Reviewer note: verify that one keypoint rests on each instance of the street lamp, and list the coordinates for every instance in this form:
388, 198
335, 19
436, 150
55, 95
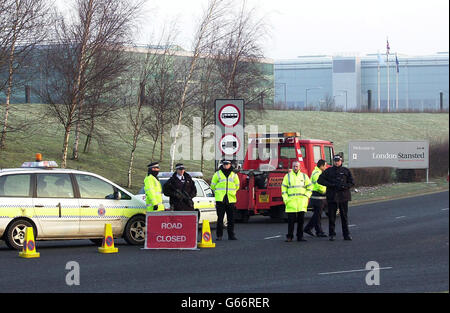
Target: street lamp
306, 100
345, 98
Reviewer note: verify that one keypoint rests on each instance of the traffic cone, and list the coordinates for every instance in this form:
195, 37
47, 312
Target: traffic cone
108, 241
206, 236
29, 245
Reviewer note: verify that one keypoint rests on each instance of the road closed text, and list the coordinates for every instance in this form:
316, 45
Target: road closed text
171, 230
171, 238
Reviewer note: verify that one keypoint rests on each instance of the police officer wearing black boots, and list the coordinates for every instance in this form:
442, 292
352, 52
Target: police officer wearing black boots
338, 180
318, 201
225, 184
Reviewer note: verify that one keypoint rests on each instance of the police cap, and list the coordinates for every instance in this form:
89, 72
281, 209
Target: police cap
154, 164
179, 166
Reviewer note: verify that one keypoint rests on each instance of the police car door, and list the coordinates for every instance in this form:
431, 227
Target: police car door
99, 206
15, 197
55, 205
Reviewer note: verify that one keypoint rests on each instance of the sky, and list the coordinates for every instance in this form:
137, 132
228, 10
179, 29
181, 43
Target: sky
325, 27
309, 27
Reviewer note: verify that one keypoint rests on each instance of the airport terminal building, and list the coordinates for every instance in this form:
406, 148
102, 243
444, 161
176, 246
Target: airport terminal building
340, 82
357, 83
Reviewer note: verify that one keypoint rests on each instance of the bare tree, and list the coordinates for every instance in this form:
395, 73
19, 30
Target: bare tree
24, 25
163, 94
150, 101
136, 119
240, 54
208, 89
213, 15
100, 26
102, 99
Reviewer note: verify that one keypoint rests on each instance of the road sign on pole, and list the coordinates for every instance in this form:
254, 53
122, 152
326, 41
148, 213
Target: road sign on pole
229, 137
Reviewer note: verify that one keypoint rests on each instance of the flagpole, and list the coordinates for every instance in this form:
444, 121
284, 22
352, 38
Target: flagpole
396, 83
379, 87
388, 79
407, 85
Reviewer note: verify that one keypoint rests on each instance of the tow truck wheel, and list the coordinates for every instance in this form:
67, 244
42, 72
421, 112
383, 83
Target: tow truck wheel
15, 234
134, 233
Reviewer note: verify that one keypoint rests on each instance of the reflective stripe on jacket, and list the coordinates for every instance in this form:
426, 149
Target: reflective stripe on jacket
153, 193
225, 186
296, 190
316, 186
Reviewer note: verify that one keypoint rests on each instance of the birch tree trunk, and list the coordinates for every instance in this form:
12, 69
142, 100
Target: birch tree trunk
213, 12
10, 80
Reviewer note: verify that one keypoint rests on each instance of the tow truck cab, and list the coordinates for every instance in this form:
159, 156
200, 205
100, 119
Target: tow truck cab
269, 158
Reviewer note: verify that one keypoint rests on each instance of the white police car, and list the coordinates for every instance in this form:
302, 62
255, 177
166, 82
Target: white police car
65, 204
204, 202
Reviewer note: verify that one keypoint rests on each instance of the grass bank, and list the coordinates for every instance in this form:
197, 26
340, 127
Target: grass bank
109, 156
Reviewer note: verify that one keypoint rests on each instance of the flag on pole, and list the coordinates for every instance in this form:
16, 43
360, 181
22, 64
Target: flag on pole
397, 64
388, 48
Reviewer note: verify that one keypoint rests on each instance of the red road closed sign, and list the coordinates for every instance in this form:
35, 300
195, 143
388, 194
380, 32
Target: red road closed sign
171, 230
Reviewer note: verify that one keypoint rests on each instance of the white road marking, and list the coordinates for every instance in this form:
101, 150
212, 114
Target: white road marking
399, 217
354, 271
445, 209
351, 225
272, 237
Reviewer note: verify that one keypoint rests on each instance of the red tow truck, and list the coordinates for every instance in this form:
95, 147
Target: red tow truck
269, 158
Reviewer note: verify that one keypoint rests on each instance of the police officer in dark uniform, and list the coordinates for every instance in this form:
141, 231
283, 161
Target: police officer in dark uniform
338, 180
181, 190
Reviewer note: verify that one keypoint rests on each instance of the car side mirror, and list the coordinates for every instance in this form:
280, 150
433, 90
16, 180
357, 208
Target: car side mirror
117, 195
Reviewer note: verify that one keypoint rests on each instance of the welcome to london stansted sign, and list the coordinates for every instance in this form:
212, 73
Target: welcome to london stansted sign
396, 154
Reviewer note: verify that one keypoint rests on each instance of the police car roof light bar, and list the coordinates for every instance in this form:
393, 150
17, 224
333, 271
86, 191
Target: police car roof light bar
41, 164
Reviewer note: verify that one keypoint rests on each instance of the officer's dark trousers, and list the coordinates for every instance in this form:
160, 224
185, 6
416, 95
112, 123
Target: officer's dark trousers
316, 220
292, 218
222, 208
343, 209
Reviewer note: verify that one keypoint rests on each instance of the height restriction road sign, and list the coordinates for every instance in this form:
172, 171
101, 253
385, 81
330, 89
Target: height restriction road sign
229, 137
229, 144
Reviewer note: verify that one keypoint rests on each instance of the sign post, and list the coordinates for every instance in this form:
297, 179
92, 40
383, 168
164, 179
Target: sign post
229, 137
171, 230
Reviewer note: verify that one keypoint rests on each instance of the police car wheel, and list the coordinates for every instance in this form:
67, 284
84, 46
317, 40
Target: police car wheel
15, 235
134, 233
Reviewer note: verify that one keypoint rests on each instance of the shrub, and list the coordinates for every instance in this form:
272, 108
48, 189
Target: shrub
439, 156
371, 176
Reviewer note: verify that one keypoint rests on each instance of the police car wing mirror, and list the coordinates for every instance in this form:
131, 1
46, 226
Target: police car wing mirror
117, 194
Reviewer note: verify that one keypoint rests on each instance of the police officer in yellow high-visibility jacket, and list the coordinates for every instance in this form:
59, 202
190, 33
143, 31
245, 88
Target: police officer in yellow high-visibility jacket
225, 184
318, 201
153, 190
296, 190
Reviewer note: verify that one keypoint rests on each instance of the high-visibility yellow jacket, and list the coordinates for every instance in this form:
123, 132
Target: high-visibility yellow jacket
153, 193
225, 186
296, 190
316, 186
